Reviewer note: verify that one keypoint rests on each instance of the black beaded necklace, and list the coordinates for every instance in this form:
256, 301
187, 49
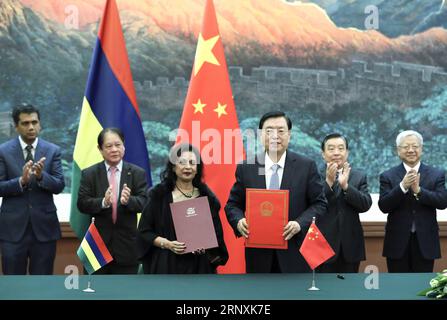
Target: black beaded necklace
187, 195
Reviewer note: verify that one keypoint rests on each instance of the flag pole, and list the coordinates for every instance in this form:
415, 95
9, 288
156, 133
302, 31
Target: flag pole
313, 287
89, 289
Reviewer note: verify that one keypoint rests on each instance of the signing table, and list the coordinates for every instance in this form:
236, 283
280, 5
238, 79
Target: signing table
217, 287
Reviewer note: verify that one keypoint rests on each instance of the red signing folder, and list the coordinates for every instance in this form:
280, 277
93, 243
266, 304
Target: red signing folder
193, 224
267, 213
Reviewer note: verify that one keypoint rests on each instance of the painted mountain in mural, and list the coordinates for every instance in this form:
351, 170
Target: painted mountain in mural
396, 17
37, 50
40, 58
260, 32
45, 63
40, 61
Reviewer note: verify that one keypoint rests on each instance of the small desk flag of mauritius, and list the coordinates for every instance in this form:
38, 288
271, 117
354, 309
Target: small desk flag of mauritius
209, 122
92, 252
109, 101
315, 249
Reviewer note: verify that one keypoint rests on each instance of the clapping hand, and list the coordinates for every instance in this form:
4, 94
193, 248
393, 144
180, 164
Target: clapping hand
37, 168
410, 179
415, 185
108, 197
125, 195
331, 173
343, 178
26, 173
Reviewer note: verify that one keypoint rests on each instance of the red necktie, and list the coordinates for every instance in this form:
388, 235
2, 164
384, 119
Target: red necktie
112, 182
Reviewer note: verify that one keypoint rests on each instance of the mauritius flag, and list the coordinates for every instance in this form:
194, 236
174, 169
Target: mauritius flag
93, 252
109, 101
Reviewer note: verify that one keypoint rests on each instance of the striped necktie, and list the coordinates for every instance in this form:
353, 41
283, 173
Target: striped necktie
29, 154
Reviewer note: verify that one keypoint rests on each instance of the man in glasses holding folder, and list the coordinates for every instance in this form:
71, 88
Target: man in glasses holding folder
277, 169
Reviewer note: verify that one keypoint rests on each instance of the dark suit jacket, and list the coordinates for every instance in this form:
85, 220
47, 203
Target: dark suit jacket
341, 225
33, 203
156, 220
306, 200
403, 208
120, 238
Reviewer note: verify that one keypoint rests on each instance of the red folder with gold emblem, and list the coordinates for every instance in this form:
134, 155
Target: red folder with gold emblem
267, 213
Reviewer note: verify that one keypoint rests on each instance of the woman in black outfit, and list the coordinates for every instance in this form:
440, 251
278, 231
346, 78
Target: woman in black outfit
158, 248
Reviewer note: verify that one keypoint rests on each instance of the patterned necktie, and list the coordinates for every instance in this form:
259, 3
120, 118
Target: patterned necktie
336, 185
29, 154
274, 180
112, 182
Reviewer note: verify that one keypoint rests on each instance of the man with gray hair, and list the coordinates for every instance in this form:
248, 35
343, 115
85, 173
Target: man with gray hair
410, 193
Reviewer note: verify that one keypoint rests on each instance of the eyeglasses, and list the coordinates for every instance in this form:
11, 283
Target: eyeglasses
408, 147
185, 162
280, 132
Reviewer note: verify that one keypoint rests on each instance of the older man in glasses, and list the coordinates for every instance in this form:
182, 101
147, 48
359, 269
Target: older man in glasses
410, 193
286, 170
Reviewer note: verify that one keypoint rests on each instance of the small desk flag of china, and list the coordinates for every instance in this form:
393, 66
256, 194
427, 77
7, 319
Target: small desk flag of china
315, 249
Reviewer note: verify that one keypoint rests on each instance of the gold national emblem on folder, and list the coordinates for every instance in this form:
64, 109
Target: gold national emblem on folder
266, 209
267, 213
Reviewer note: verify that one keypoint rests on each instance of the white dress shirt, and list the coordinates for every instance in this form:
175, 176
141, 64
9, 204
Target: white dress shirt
119, 169
268, 168
23, 145
408, 168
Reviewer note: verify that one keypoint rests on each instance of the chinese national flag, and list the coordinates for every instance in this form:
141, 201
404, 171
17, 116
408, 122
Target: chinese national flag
315, 249
209, 122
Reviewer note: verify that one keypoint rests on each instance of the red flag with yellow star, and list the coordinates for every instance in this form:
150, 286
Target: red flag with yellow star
315, 249
209, 122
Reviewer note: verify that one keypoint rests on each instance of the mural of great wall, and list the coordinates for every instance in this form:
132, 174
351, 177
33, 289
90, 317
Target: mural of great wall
399, 83
369, 102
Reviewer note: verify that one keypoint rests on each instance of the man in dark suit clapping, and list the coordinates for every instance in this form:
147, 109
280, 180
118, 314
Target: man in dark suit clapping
114, 191
346, 191
30, 173
410, 193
